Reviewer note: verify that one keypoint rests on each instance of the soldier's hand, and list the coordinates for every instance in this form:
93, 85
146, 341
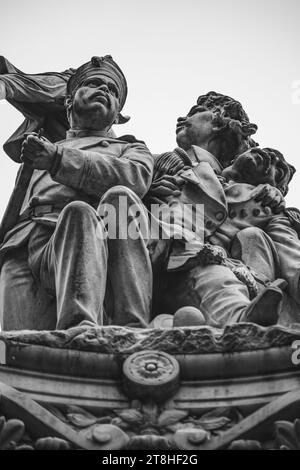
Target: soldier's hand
38, 152
163, 187
167, 186
271, 197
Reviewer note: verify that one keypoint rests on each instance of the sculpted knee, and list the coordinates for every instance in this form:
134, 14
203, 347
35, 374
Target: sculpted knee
113, 194
250, 233
78, 210
250, 236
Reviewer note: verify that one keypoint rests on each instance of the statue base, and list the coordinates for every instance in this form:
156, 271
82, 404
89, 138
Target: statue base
199, 384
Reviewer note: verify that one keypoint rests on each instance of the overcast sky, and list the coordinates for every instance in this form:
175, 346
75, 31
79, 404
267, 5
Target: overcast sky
171, 52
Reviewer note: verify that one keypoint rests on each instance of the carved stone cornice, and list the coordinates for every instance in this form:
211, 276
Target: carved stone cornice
125, 388
198, 340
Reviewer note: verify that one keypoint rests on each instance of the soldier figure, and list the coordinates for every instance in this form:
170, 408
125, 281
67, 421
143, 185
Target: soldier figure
59, 239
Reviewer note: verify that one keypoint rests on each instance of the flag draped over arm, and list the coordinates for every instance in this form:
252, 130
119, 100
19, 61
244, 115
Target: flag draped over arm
40, 98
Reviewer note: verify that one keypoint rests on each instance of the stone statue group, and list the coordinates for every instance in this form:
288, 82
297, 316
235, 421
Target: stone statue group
62, 266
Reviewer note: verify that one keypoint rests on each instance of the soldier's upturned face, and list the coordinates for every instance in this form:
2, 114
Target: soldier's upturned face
255, 167
96, 103
194, 129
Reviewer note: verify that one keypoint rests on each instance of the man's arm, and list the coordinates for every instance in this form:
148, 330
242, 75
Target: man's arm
90, 171
166, 178
95, 173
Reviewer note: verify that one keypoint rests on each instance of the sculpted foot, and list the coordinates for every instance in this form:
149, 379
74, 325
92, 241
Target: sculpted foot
263, 310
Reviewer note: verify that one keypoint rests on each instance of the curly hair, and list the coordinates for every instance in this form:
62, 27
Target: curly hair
288, 169
233, 128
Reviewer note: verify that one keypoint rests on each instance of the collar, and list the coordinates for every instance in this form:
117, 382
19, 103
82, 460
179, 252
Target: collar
198, 154
71, 133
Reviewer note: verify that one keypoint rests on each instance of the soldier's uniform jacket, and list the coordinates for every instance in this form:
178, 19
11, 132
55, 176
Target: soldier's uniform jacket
243, 212
90, 165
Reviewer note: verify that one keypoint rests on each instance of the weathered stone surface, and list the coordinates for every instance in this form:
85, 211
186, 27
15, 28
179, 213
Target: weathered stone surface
121, 340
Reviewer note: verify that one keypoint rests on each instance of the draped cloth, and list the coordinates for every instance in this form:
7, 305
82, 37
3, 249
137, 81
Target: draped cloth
40, 98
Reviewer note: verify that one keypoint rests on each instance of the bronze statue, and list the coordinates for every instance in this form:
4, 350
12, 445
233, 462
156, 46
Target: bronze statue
59, 239
114, 387
272, 233
214, 131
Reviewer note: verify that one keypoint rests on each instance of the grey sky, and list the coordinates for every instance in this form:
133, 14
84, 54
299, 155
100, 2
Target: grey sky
171, 51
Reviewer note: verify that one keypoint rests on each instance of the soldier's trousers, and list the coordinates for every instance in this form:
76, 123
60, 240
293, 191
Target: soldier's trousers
83, 268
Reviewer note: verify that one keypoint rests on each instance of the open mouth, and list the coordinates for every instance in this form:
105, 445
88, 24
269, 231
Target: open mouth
98, 96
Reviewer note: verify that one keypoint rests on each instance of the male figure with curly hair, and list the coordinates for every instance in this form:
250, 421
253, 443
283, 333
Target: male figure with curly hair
215, 130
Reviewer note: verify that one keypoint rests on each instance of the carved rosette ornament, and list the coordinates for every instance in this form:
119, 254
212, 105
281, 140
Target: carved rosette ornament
150, 374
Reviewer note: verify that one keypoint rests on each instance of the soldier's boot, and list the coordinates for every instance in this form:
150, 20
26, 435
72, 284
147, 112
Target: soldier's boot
263, 310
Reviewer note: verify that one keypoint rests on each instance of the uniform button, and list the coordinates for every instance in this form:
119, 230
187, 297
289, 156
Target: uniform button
209, 224
243, 213
219, 216
256, 212
232, 214
104, 143
267, 210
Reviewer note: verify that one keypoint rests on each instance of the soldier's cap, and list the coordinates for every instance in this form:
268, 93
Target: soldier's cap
105, 66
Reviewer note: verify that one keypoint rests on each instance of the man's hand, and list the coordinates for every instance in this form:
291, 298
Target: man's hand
38, 152
271, 197
163, 187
